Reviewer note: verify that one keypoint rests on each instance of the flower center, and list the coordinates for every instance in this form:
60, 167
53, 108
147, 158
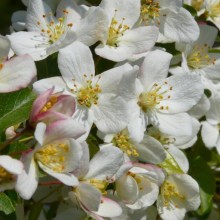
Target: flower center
101, 185
49, 104
89, 94
170, 192
197, 4
152, 98
53, 155
55, 29
5, 176
116, 30
123, 141
199, 57
214, 10
162, 138
150, 11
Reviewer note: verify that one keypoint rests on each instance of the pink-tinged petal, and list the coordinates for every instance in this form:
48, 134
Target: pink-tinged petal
17, 73
105, 163
39, 103
11, 165
123, 169
84, 194
66, 178
72, 64
108, 208
39, 133
151, 71
63, 129
127, 189
27, 181
4, 47
31, 43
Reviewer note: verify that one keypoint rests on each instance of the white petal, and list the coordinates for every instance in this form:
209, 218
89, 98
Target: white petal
152, 71
31, 43
71, 61
105, 163
11, 165
109, 208
213, 115
128, 9
210, 134
17, 73
127, 189
150, 150
18, 20
4, 47
187, 32
39, 133
175, 124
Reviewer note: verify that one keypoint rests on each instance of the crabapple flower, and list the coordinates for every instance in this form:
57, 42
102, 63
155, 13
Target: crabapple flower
94, 176
167, 15
56, 153
15, 73
210, 127
98, 99
197, 59
139, 187
9, 170
179, 194
49, 107
47, 34
121, 38
162, 101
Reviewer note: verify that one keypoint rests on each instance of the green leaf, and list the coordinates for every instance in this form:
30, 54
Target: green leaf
35, 211
202, 173
170, 165
6, 204
15, 107
190, 9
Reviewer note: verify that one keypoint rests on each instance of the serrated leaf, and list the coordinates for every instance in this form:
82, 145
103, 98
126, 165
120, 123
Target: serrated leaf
15, 107
5, 204
170, 165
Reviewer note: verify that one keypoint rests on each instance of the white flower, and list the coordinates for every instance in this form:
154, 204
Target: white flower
97, 97
197, 59
47, 34
56, 153
121, 38
94, 177
168, 15
210, 127
9, 170
162, 101
179, 194
15, 73
139, 187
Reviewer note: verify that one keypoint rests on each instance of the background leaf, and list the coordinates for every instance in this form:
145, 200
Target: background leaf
5, 204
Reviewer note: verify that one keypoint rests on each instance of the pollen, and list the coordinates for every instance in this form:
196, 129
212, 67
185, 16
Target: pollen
101, 185
116, 30
123, 141
5, 176
153, 97
55, 29
1, 66
89, 94
49, 104
150, 11
170, 193
53, 156
199, 57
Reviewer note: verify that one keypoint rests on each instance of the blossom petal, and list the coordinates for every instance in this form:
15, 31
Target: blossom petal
4, 47
11, 165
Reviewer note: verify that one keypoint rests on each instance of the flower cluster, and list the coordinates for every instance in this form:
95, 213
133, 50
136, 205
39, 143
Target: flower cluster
114, 132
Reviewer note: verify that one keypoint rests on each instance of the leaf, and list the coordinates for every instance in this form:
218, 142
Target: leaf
5, 204
15, 107
202, 173
170, 165
190, 9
